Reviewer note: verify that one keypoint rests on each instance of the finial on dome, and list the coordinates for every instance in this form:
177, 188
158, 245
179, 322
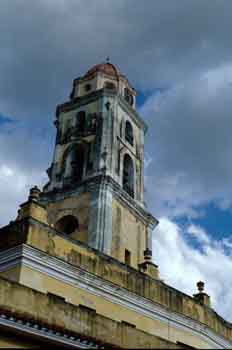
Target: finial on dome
107, 59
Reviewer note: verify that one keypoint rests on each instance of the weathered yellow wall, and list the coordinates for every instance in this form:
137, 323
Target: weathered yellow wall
12, 274
127, 233
33, 209
76, 206
116, 312
55, 313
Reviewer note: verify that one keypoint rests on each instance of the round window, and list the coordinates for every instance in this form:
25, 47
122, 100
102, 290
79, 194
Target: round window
87, 87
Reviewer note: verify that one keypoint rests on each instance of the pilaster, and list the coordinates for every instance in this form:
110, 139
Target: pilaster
100, 218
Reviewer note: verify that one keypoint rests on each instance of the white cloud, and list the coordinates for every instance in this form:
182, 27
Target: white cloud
23, 160
5, 172
190, 142
182, 266
14, 189
198, 233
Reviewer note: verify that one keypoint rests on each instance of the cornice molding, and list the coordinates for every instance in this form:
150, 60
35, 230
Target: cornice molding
89, 185
25, 255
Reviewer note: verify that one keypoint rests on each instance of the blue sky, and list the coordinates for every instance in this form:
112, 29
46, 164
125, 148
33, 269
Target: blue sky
182, 71
216, 221
5, 120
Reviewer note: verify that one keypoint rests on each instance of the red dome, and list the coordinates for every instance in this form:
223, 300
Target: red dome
107, 68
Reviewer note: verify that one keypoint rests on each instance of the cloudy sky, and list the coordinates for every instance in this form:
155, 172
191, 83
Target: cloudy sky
177, 54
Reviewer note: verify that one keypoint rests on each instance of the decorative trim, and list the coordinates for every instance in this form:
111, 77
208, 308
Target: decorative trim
67, 273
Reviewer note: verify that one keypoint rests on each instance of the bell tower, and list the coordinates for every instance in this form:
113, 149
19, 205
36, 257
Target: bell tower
95, 192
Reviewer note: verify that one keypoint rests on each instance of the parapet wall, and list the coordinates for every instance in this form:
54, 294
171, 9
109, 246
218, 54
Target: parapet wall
48, 311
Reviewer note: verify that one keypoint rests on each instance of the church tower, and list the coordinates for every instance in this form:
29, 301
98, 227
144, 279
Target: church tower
95, 192
76, 266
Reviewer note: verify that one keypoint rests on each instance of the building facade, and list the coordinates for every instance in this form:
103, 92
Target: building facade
76, 265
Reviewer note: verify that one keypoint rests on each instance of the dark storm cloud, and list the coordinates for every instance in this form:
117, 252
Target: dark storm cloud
45, 45
157, 44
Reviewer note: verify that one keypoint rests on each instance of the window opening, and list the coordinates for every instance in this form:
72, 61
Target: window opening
109, 85
67, 224
81, 121
128, 96
129, 133
127, 257
77, 163
128, 175
90, 157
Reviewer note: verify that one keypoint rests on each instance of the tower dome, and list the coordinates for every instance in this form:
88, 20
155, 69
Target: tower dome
104, 76
107, 68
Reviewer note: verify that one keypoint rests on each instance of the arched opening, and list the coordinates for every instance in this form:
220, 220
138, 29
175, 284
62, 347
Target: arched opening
74, 162
67, 224
109, 85
128, 96
81, 119
129, 133
120, 128
128, 175
90, 156
78, 162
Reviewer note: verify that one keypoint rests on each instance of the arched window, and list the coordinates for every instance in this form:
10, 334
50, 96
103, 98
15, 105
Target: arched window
81, 121
128, 96
109, 85
128, 175
74, 163
90, 156
67, 224
77, 163
120, 128
129, 133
